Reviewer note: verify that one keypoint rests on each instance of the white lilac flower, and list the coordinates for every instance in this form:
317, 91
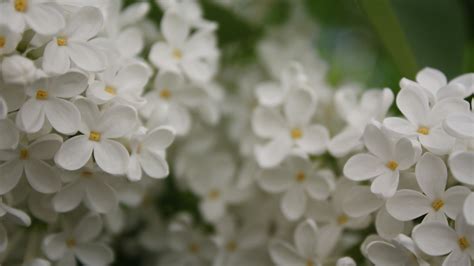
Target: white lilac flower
89, 185
292, 133
41, 16
299, 179
434, 83
148, 153
120, 84
72, 43
30, 160
422, 121
438, 239
190, 11
383, 163
435, 202
99, 128
80, 242
193, 54
399, 251
48, 100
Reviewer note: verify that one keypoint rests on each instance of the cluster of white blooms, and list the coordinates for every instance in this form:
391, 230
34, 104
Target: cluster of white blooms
278, 167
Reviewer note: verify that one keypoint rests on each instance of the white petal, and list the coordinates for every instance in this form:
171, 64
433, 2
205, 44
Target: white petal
54, 246
197, 69
363, 166
377, 143
400, 126
84, 24
274, 180
68, 198
44, 19
432, 79
42, 177
387, 226
111, 156
314, 140
454, 198
45, 147
10, 174
88, 228
90, 114
283, 254
56, 58
154, 164
462, 167
101, 196
212, 209
132, 77
328, 237
87, 57
317, 187
161, 55
460, 125
274, 152
457, 258
445, 107
159, 139
305, 238
269, 94
130, 42
94, 254
74, 153
360, 201
267, 122
32, 115
134, 170
299, 106
431, 174
408, 204
174, 29
386, 184
293, 203
468, 206
404, 154
413, 103
62, 115
117, 121
384, 253
435, 238
344, 142
68, 85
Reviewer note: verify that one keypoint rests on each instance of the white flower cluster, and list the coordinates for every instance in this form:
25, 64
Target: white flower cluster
285, 169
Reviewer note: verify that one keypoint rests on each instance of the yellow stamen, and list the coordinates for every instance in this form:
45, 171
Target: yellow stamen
342, 219
61, 41
41, 94
296, 133
437, 204
214, 194
110, 90
300, 176
392, 165
20, 5
165, 94
194, 248
3, 40
86, 173
23, 154
70, 243
177, 54
94, 136
423, 130
309, 262
231, 246
463, 243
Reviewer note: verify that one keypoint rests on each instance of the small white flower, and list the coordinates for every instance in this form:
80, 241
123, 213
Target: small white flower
47, 99
18, 70
44, 18
345, 261
384, 162
437, 239
31, 161
293, 132
65, 246
436, 203
73, 44
148, 152
98, 128
192, 54
399, 251
434, 83
299, 179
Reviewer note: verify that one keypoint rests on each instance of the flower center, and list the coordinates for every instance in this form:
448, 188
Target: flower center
463, 243
309, 262
3, 40
231, 246
165, 94
110, 90
94, 136
86, 174
61, 41
20, 5
71, 242
177, 54
300, 176
214, 194
296, 133
193, 248
342, 219
23, 154
392, 165
437, 204
41, 94
423, 130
